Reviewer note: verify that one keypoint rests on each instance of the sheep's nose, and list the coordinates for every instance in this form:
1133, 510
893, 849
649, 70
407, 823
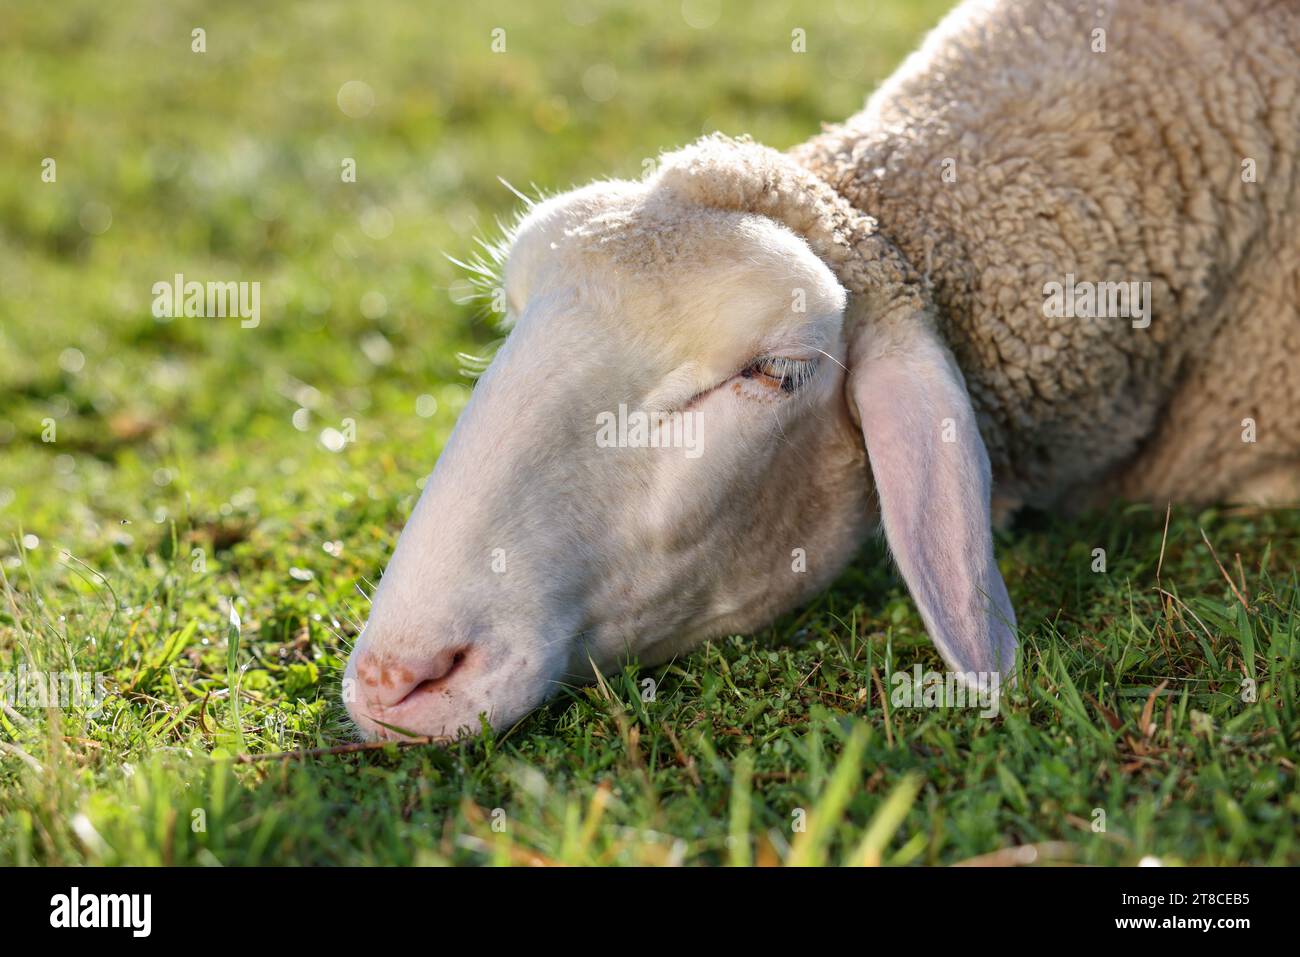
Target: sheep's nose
387, 681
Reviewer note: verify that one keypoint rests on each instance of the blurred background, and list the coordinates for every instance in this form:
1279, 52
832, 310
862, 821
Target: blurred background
226, 165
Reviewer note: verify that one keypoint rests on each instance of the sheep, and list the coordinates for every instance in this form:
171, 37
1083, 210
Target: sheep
908, 323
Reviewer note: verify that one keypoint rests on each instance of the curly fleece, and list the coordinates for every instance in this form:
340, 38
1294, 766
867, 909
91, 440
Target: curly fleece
1021, 146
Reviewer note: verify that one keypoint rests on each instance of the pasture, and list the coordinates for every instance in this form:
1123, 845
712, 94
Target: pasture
157, 471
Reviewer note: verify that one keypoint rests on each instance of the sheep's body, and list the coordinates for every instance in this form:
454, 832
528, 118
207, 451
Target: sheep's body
1105, 166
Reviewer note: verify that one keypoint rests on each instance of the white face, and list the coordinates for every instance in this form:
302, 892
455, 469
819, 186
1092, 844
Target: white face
552, 535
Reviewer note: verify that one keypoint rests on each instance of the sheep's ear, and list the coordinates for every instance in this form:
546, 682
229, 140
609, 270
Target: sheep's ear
932, 477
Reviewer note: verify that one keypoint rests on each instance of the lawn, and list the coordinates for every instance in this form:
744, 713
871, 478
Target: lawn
156, 473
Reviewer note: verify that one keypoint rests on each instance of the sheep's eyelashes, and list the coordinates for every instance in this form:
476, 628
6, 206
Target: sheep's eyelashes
780, 372
772, 376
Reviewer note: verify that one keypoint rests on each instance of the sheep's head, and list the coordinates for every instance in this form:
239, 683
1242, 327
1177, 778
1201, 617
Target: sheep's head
666, 448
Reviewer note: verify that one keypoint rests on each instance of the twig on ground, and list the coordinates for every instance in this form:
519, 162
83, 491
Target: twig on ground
884, 706
1164, 536
14, 716
1228, 578
18, 752
1024, 855
353, 748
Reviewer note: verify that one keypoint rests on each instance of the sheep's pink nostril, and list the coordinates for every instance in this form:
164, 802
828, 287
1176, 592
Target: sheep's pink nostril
388, 681
446, 665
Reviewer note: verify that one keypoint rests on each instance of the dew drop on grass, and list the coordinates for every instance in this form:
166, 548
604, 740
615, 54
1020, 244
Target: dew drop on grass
356, 99
332, 439
72, 360
96, 217
377, 349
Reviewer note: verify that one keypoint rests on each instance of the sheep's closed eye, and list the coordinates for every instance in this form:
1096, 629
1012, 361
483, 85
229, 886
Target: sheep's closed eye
767, 377
779, 372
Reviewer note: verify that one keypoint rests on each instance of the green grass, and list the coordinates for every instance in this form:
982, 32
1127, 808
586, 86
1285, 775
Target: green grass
177, 483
